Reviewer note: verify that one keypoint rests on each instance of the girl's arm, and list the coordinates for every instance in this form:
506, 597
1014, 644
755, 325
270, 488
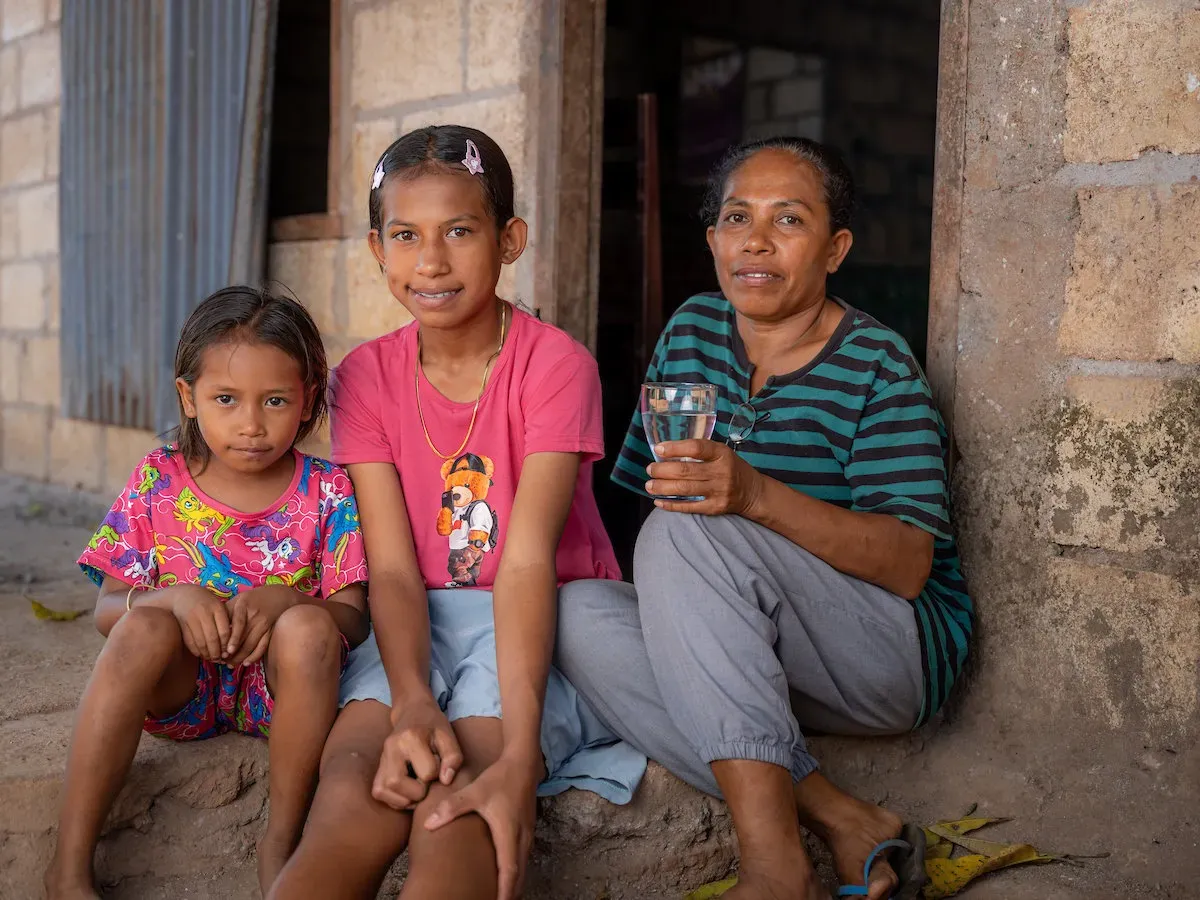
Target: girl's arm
400, 615
110, 604
347, 607
525, 600
254, 612
397, 600
202, 616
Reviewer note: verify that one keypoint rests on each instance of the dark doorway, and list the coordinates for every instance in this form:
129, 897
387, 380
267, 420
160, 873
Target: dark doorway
861, 76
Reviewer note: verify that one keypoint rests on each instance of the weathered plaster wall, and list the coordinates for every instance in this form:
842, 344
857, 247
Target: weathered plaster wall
1077, 411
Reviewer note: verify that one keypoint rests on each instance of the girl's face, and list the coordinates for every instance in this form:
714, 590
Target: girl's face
772, 244
249, 401
438, 247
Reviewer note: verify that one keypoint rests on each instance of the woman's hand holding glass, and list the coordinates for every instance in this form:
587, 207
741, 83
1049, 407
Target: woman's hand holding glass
724, 482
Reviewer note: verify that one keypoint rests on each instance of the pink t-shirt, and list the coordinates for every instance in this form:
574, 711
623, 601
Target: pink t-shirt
543, 396
164, 530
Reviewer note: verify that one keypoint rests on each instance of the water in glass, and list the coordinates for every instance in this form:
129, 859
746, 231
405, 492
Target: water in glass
678, 412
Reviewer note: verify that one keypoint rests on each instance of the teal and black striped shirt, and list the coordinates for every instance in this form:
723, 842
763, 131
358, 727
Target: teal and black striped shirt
856, 427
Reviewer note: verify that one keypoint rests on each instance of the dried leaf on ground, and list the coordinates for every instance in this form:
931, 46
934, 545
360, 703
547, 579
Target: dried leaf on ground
47, 614
949, 874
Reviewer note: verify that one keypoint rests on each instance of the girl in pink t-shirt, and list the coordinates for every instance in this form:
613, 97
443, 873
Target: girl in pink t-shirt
231, 571
470, 436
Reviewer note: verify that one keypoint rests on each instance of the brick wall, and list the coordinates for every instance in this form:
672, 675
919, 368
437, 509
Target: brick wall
34, 440
29, 94
1078, 374
785, 94
466, 62
882, 77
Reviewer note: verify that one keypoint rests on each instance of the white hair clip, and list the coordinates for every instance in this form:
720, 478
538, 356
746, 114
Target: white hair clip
472, 160
378, 177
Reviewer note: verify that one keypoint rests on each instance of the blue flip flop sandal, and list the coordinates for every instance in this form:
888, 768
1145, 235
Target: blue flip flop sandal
907, 856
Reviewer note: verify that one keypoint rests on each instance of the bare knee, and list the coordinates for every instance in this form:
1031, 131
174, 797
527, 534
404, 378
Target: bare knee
305, 641
144, 635
346, 780
347, 770
344, 803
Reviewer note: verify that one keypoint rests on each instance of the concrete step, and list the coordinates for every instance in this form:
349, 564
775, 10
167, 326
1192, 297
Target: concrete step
186, 823
191, 810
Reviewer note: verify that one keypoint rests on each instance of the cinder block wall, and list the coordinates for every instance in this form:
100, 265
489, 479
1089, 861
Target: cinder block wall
1077, 407
467, 61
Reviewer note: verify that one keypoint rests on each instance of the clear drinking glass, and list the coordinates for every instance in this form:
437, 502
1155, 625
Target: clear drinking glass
678, 411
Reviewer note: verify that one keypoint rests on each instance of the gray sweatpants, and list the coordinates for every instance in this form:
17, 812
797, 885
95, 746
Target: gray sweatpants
693, 662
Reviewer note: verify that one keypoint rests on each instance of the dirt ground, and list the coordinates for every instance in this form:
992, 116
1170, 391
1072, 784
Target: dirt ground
186, 824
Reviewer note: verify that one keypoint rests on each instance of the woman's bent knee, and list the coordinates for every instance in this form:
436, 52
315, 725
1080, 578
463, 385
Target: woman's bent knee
667, 541
667, 546
589, 612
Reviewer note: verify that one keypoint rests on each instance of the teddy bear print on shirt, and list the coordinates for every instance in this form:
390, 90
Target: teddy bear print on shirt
466, 518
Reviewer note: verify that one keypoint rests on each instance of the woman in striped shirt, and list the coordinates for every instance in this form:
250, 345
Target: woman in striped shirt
820, 558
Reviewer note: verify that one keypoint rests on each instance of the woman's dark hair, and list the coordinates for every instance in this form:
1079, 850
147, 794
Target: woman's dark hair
241, 314
442, 148
835, 176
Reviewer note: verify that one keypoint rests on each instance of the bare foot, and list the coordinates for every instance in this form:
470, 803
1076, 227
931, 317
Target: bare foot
63, 887
852, 843
273, 854
851, 829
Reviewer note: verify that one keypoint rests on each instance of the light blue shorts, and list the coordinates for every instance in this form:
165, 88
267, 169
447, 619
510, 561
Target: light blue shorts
579, 751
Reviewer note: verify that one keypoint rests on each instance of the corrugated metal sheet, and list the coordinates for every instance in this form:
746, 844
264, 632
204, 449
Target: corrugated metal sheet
164, 148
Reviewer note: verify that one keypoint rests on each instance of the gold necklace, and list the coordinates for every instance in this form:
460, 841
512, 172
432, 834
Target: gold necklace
482, 386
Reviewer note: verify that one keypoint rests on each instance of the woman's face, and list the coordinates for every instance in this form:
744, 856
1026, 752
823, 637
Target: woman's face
772, 244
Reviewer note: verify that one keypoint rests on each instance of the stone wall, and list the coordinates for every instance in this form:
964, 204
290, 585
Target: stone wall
465, 62
1077, 404
34, 440
472, 62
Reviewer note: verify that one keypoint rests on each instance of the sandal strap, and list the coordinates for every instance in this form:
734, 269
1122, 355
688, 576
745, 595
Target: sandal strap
862, 890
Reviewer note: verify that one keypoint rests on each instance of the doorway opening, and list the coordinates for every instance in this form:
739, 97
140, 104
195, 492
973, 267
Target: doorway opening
301, 109
862, 77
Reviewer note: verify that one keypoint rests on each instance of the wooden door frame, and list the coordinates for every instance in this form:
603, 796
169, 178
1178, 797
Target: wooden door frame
567, 146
